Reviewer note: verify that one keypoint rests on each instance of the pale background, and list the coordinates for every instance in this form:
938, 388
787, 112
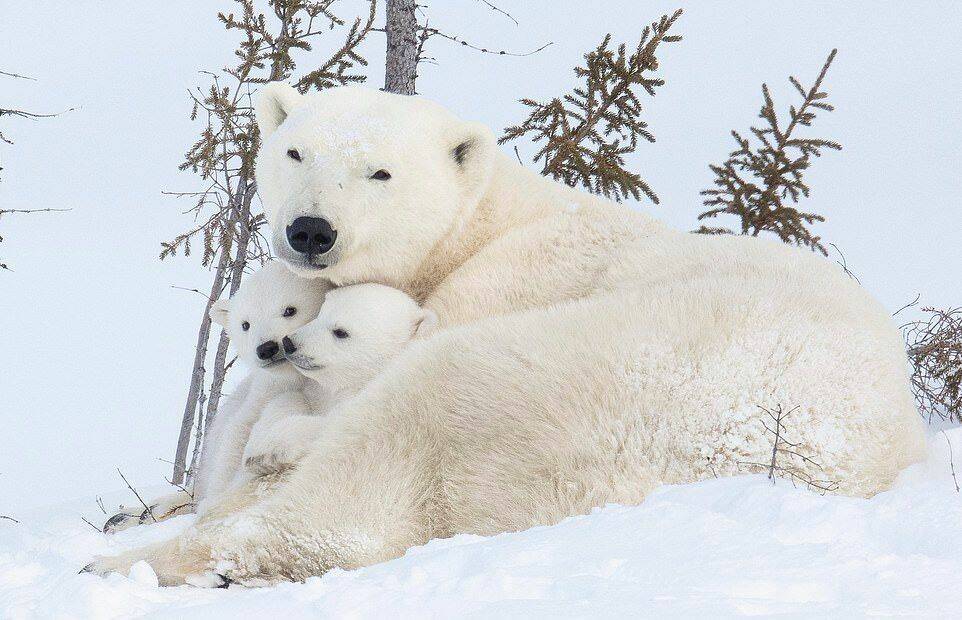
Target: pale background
97, 346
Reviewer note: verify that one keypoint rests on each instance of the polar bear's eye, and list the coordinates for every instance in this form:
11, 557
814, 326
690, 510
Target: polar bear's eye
340, 333
381, 175
293, 154
290, 311
245, 326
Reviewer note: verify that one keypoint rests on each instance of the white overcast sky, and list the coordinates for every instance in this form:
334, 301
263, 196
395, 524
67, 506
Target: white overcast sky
97, 346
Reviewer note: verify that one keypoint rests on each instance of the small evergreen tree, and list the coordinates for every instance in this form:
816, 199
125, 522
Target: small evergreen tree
761, 184
229, 225
585, 135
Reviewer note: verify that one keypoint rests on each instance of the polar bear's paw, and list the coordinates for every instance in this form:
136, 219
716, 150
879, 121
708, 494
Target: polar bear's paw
165, 507
275, 448
123, 520
174, 564
104, 565
271, 462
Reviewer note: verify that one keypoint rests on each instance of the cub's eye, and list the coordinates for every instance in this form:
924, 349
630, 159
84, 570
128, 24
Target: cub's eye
245, 326
290, 311
293, 154
340, 333
381, 175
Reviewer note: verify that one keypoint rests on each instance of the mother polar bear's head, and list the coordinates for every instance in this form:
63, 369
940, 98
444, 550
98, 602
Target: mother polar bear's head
359, 184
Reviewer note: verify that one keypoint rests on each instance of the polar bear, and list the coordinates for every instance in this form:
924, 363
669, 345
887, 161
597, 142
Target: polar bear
271, 303
585, 352
359, 329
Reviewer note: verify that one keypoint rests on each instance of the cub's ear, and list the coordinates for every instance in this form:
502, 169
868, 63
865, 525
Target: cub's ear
273, 104
472, 148
426, 324
220, 311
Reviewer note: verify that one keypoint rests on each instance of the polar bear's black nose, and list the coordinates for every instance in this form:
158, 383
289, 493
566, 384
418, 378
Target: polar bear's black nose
311, 235
267, 350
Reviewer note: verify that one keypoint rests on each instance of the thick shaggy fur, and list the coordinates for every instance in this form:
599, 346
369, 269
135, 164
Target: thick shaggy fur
587, 353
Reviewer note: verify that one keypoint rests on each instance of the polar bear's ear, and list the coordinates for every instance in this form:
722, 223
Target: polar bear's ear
426, 324
275, 101
472, 148
220, 311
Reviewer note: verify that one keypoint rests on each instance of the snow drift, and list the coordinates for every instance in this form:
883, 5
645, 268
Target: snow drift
722, 547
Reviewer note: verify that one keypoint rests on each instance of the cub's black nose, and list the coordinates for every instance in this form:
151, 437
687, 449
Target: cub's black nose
267, 350
311, 235
288, 345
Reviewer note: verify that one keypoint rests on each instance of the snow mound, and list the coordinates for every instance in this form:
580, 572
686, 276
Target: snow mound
726, 547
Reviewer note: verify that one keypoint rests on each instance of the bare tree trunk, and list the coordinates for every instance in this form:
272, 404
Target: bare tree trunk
199, 371
198, 438
246, 195
400, 68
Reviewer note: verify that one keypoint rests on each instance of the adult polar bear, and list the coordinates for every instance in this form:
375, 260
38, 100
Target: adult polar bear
589, 353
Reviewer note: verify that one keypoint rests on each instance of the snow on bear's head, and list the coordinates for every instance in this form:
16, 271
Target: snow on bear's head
271, 303
358, 329
359, 184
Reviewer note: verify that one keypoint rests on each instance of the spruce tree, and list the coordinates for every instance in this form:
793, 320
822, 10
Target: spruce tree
762, 183
585, 135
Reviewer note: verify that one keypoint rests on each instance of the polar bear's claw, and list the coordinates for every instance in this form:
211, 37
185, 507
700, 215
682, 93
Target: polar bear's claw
122, 521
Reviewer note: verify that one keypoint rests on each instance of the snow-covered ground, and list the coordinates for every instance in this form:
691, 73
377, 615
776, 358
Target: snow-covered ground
726, 547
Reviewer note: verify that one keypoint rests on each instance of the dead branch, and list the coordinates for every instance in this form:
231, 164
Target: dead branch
785, 450
499, 10
134, 491
190, 290
844, 264
18, 76
6, 518
432, 32
85, 520
911, 304
951, 461
934, 346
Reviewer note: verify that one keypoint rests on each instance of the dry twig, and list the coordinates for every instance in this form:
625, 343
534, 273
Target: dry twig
134, 491
951, 461
934, 346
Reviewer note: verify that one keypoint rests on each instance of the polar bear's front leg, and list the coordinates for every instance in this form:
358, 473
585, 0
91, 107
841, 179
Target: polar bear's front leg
280, 444
176, 562
365, 495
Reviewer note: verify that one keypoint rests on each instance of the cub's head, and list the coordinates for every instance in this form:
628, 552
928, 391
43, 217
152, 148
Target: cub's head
359, 184
358, 329
270, 303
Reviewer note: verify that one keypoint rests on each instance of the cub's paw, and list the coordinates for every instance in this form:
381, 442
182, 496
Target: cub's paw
275, 461
122, 521
270, 452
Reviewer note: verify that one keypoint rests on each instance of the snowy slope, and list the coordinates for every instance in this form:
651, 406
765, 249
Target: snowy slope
722, 547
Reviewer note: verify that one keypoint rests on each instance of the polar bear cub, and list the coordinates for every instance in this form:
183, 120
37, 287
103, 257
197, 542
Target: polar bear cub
271, 303
359, 329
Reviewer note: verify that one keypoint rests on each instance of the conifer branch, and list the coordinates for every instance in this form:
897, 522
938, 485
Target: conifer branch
585, 135
761, 184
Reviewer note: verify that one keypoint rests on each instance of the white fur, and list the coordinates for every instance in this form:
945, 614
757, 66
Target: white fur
260, 303
587, 353
376, 323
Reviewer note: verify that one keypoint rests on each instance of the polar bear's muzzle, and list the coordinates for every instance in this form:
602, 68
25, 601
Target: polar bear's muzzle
311, 236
